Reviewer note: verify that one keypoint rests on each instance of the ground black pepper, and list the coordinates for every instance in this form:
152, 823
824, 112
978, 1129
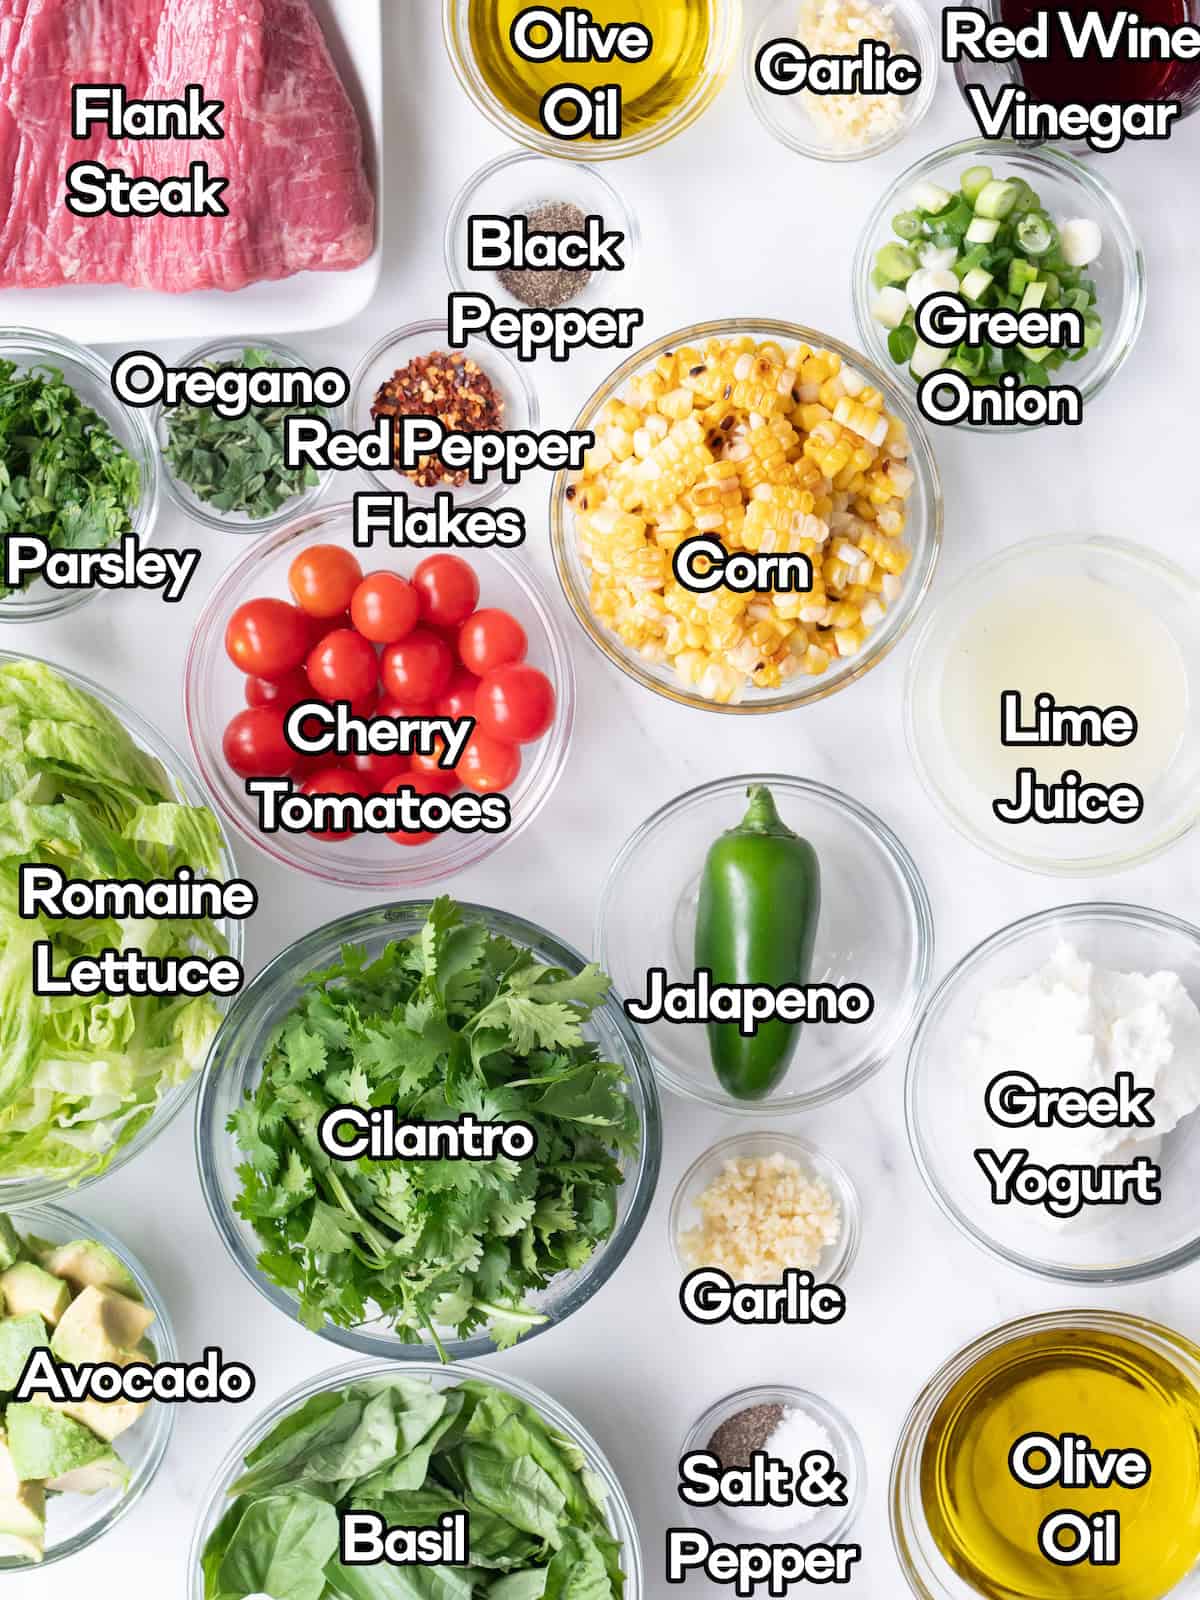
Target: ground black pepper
452, 388
739, 1436
547, 287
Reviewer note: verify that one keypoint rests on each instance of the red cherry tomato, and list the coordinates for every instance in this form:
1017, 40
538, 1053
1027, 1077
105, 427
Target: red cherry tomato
490, 639
378, 770
254, 744
417, 668
488, 765
321, 627
385, 607
516, 703
288, 690
323, 578
458, 699
267, 638
419, 783
343, 667
432, 763
335, 780
448, 590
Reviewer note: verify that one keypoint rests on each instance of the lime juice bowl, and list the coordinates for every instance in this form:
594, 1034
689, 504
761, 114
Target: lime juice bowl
233, 1069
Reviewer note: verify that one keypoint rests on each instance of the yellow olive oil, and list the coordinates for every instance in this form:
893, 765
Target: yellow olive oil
651, 89
1116, 1393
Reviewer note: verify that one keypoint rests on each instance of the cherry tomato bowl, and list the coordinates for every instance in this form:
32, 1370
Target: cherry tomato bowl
229, 745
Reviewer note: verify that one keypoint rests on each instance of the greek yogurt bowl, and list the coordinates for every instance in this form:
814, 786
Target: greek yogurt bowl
947, 1120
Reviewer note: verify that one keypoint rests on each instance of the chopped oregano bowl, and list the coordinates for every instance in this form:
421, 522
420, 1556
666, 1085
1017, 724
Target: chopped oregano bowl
435, 1010
228, 472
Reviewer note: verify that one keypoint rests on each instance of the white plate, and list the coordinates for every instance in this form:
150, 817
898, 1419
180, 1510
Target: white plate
99, 313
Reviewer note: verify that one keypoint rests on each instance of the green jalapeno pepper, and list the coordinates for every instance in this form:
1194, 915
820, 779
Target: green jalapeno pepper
760, 897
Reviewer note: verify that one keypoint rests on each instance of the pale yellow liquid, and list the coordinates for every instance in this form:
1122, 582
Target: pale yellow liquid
1088, 644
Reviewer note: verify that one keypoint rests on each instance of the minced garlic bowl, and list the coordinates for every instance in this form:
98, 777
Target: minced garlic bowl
823, 455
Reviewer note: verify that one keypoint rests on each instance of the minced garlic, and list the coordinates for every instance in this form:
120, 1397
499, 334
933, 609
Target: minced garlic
835, 28
760, 1215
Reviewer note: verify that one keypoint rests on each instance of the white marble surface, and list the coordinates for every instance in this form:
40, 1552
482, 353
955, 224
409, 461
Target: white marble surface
733, 224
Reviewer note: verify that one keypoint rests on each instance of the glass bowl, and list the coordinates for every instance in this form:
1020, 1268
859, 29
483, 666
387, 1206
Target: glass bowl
1046, 571
213, 693
188, 501
923, 534
827, 1526
22, 1191
233, 1069
786, 117
925, 1568
836, 1260
394, 352
725, 25
74, 1521
876, 928
561, 1421
1067, 189
89, 375
516, 185
947, 1120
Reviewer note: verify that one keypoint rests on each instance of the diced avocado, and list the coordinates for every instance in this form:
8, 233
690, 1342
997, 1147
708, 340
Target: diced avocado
22, 1512
105, 1418
11, 1247
30, 1288
100, 1325
46, 1444
19, 1338
106, 1472
86, 1262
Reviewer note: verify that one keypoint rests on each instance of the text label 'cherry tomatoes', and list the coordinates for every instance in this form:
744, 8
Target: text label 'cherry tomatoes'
335, 780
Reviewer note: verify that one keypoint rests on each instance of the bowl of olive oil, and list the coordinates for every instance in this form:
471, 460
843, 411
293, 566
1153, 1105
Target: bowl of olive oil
1056, 1456
667, 60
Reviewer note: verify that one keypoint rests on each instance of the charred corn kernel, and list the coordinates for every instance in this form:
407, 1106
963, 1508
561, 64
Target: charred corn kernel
860, 418
769, 450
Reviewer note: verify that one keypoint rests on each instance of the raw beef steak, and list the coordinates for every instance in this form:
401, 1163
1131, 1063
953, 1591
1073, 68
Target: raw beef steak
298, 198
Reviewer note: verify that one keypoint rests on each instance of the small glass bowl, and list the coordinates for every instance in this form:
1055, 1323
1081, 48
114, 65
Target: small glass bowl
89, 375
827, 1526
213, 694
1067, 189
516, 185
1053, 566
233, 1069
393, 353
725, 27
561, 1421
947, 1121
74, 1521
923, 534
188, 501
926, 1570
23, 1191
836, 1260
875, 928
786, 115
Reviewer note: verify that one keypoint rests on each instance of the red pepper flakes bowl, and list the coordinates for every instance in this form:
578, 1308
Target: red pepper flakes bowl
214, 692
518, 403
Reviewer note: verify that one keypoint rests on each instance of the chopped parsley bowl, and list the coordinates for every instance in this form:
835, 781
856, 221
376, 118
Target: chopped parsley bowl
86, 787
435, 1013
77, 467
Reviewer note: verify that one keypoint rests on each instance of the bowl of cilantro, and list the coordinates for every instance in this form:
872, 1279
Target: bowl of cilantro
428, 1130
79, 470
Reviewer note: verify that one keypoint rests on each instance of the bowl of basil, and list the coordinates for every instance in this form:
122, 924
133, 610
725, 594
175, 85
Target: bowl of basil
409, 1447
438, 1017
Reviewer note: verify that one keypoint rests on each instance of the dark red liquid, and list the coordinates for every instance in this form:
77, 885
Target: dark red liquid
1091, 80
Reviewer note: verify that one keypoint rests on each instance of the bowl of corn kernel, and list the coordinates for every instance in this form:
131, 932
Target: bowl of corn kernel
774, 440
